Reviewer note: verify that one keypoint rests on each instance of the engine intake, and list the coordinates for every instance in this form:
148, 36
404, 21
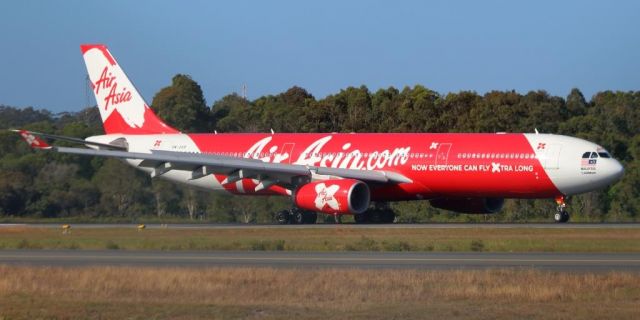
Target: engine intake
344, 196
469, 205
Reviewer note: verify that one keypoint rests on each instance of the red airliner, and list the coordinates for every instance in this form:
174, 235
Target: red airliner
336, 173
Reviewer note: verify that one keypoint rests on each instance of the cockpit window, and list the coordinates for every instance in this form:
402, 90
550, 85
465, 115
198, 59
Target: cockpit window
593, 155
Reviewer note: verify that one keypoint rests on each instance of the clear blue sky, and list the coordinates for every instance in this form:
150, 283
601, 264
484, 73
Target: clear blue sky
323, 46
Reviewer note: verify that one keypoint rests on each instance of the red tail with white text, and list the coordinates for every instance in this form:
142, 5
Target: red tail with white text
122, 108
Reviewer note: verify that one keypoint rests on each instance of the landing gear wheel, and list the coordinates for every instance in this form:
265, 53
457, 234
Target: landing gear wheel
309, 217
362, 218
282, 217
381, 213
376, 216
561, 216
297, 216
557, 217
388, 216
337, 218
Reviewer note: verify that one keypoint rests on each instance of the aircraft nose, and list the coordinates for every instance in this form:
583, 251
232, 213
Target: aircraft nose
612, 172
616, 170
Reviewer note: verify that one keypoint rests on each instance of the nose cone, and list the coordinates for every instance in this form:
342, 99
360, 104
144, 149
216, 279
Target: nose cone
615, 170
610, 172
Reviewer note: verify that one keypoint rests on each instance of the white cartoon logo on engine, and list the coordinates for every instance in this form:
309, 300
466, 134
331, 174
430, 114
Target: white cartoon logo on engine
326, 196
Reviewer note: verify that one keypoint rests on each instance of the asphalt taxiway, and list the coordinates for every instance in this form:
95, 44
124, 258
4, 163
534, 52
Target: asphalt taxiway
570, 262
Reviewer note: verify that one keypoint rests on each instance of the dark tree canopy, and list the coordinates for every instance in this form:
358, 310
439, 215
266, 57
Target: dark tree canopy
182, 105
55, 185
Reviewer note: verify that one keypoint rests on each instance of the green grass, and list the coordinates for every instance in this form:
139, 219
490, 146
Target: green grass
340, 238
149, 219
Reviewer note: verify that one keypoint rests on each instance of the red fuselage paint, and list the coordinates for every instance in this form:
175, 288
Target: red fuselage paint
448, 164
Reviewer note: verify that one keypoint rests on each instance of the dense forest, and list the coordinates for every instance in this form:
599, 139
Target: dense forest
48, 185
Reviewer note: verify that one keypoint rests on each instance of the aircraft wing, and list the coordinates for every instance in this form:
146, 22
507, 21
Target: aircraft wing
34, 139
234, 168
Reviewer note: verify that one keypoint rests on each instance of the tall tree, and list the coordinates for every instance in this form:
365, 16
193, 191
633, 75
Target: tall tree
576, 104
122, 190
233, 113
182, 105
167, 195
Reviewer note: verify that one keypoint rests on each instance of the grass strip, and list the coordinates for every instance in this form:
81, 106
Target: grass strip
341, 238
268, 293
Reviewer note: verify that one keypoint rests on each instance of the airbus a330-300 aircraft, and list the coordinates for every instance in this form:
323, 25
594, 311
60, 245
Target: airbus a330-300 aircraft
336, 173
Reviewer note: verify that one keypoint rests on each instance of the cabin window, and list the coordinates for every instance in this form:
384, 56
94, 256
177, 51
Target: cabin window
594, 155
586, 155
604, 155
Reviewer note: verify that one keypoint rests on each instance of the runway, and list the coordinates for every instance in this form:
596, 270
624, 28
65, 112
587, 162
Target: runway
197, 226
385, 260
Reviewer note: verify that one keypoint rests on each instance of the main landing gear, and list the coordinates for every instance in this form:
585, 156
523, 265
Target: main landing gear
561, 215
378, 214
296, 216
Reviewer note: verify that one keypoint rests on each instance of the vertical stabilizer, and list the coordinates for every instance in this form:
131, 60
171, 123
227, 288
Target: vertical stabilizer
122, 108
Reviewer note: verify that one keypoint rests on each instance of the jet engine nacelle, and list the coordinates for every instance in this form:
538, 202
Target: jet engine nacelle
469, 205
343, 196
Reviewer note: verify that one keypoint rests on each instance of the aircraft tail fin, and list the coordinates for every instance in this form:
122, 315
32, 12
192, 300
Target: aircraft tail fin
122, 108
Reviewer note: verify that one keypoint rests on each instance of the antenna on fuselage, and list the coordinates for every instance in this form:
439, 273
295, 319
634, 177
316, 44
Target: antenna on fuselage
536, 130
272, 131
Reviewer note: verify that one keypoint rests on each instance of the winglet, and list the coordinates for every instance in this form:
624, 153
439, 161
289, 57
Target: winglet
33, 140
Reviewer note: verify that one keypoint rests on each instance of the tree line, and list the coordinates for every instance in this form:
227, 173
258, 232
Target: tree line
42, 184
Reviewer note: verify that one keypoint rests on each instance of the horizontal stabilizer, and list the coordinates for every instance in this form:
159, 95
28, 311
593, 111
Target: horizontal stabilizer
36, 135
33, 140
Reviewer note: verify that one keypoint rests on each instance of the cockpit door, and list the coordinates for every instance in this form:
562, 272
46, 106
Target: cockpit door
442, 156
287, 152
552, 156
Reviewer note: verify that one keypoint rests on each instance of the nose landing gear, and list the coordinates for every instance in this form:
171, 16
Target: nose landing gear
561, 215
